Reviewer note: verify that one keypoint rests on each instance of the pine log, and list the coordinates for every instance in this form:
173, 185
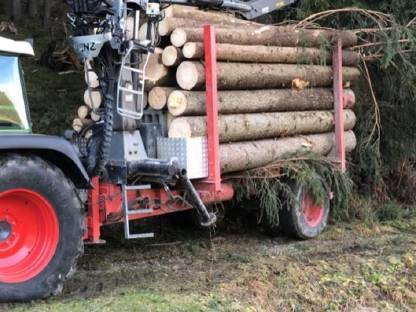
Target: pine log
249, 155
171, 56
156, 73
83, 111
247, 127
95, 116
91, 78
93, 98
266, 35
267, 54
189, 103
158, 97
191, 75
169, 24
211, 17
78, 124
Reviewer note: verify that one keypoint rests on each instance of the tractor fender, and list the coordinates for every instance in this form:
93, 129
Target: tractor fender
54, 149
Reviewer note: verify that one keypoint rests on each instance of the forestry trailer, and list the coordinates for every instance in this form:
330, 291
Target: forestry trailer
56, 193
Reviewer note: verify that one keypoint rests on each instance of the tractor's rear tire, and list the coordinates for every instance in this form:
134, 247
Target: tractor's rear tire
41, 228
304, 219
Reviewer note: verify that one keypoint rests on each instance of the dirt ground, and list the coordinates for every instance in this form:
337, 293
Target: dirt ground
351, 267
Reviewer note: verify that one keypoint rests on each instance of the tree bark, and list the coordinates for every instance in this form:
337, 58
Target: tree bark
158, 97
240, 76
188, 103
169, 24
8, 10
33, 8
248, 127
266, 35
47, 12
208, 17
249, 155
267, 54
172, 56
17, 10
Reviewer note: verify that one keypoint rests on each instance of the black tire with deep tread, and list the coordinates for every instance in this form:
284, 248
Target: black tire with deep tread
31, 172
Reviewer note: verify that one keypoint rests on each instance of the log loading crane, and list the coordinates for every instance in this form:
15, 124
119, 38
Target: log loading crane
56, 193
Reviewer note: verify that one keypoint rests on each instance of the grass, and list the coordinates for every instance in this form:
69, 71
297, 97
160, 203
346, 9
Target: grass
351, 267
133, 301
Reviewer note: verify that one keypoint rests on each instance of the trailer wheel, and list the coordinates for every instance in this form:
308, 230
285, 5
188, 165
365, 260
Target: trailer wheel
305, 219
41, 227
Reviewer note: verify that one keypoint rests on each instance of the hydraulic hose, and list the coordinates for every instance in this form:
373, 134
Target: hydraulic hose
108, 84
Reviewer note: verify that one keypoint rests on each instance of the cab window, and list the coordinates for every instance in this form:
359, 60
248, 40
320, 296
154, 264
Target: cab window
13, 113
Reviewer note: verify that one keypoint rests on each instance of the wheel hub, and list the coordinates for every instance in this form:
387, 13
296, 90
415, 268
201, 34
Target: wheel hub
5, 230
29, 235
313, 212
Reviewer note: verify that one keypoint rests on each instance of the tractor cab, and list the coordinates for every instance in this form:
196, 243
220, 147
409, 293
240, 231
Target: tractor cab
14, 112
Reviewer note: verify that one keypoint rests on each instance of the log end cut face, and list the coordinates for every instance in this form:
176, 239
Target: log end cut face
178, 37
157, 98
177, 103
170, 56
187, 75
190, 50
180, 128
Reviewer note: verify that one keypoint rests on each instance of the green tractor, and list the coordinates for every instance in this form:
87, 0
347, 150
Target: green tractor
41, 213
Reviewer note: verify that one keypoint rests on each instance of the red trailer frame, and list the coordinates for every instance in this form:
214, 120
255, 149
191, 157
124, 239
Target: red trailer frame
105, 199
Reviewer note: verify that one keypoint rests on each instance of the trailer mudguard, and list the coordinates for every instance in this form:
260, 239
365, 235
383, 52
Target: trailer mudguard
51, 148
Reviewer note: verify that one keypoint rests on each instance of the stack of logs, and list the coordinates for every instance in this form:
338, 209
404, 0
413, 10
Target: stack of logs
89, 113
275, 86
275, 94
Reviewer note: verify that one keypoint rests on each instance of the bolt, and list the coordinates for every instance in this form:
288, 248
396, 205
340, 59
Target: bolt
5, 230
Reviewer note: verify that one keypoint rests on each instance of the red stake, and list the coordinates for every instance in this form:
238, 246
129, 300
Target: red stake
214, 169
93, 214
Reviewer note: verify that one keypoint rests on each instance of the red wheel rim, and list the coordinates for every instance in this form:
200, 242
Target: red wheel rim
312, 212
29, 235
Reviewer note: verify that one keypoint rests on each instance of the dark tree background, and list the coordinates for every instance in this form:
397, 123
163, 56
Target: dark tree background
16, 10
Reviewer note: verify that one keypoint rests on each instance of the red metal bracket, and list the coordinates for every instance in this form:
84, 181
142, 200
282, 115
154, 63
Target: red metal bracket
339, 106
214, 169
93, 221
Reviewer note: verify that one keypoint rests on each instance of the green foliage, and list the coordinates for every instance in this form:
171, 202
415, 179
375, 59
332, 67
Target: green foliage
402, 10
393, 75
276, 191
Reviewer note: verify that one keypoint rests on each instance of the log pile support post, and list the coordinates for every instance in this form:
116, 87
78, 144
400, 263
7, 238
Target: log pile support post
213, 142
339, 107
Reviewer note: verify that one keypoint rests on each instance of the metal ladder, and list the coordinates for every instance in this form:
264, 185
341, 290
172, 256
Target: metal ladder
125, 87
127, 212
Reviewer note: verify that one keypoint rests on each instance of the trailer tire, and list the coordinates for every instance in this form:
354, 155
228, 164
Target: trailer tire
41, 228
305, 219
